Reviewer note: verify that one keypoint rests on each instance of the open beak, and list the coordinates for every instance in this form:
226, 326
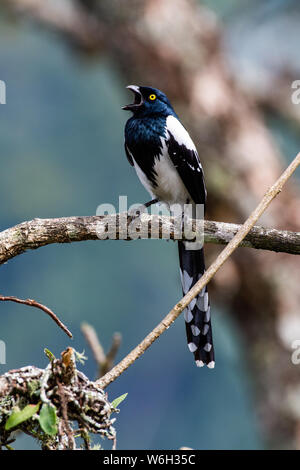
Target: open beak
138, 99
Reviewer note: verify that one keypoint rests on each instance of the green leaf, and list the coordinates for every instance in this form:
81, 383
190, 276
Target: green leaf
48, 419
19, 416
118, 400
9, 447
49, 354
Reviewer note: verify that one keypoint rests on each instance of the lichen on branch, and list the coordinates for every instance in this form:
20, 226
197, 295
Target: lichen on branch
65, 405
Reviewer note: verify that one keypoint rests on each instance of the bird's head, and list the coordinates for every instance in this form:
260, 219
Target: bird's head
148, 101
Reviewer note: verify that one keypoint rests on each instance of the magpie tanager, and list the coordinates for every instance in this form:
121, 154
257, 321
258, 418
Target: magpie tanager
167, 164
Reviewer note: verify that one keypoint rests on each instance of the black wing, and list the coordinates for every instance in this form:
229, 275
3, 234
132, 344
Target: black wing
187, 163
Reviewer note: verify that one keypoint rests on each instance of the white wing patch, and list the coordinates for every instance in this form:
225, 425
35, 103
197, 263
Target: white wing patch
179, 133
182, 137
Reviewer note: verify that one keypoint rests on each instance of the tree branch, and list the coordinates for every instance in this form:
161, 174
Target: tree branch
207, 276
40, 232
34, 303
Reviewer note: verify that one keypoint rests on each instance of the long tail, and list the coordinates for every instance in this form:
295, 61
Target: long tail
197, 314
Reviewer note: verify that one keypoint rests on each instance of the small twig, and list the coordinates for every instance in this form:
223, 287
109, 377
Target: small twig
110, 356
104, 361
33, 303
207, 276
92, 339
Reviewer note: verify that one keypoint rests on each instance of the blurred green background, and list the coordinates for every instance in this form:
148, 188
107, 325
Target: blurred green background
61, 135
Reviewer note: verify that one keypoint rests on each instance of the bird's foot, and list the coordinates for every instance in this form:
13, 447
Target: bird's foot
153, 201
141, 209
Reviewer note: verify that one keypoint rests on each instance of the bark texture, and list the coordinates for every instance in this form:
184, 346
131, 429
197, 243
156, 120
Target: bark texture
41, 232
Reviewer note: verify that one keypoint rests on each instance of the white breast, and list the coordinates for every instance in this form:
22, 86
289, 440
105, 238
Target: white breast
170, 188
143, 179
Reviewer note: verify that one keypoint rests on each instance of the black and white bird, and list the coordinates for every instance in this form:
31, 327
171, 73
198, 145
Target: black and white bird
167, 163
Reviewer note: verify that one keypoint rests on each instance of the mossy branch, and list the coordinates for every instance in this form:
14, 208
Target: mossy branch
65, 405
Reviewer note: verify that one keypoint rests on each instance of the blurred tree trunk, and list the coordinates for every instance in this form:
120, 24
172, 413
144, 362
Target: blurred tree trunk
176, 45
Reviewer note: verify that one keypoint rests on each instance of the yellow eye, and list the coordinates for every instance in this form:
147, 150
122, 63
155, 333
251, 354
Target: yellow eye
152, 97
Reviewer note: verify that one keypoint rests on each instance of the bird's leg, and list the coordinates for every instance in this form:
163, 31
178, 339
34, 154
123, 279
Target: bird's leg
153, 201
137, 212
177, 212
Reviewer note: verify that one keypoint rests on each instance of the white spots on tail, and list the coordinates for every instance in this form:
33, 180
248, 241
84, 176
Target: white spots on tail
205, 329
211, 364
207, 347
195, 330
202, 302
207, 314
192, 303
192, 347
188, 316
199, 363
186, 281
205, 306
